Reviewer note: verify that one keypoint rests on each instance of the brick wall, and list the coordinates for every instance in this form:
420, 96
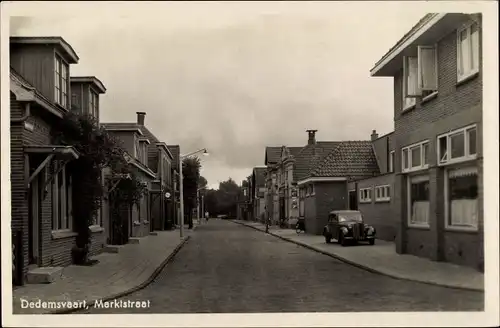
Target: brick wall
19, 204
379, 214
382, 147
456, 106
328, 196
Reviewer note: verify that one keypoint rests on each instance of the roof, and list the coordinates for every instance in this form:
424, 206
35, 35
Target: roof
309, 156
89, 79
351, 159
259, 173
272, 155
25, 91
67, 50
124, 127
175, 150
405, 37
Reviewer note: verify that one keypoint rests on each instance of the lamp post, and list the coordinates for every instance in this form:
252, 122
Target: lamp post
181, 186
198, 203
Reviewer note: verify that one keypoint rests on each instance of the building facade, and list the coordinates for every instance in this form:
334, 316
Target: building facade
438, 162
41, 94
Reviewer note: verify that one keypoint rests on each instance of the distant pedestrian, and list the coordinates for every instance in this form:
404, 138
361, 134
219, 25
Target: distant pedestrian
206, 216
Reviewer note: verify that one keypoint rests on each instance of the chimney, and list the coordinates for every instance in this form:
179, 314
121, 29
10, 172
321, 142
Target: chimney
312, 137
140, 118
374, 135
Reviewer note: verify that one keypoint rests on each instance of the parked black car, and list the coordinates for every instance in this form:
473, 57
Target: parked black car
345, 226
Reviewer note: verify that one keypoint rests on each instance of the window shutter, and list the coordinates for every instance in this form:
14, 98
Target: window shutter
427, 68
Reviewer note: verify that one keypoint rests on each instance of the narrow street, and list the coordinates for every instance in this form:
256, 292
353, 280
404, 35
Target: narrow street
226, 267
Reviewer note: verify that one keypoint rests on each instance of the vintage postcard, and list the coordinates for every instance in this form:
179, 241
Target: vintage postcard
224, 164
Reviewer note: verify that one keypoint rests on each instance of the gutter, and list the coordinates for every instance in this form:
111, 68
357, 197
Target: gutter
27, 114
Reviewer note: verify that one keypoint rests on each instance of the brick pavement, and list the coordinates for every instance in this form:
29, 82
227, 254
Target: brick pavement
115, 274
229, 268
382, 258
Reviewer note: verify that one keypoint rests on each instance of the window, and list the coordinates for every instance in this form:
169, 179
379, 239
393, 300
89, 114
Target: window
416, 156
62, 199
144, 158
93, 99
308, 191
461, 203
313, 192
457, 146
391, 161
467, 51
365, 195
418, 201
410, 69
61, 82
382, 193
419, 75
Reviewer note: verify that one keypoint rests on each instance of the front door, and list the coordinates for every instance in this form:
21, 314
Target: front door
353, 200
34, 212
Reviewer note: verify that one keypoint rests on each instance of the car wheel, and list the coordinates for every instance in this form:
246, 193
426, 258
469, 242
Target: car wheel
372, 241
342, 241
328, 239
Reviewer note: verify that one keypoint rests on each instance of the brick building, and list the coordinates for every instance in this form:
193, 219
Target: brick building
257, 192
41, 181
153, 162
438, 162
372, 196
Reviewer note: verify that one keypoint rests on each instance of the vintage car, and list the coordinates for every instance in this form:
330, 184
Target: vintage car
345, 226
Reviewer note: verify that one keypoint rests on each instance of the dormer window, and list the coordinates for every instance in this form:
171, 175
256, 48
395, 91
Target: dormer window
61, 82
93, 104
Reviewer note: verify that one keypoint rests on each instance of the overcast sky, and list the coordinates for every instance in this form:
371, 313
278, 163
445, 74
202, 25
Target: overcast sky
234, 77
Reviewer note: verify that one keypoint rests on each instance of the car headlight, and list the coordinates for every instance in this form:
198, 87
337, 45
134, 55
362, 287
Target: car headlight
371, 230
344, 230
349, 225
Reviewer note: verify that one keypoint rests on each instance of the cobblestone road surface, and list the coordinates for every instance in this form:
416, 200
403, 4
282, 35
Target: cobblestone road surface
226, 267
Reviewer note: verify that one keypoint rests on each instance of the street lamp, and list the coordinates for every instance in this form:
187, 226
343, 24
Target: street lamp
198, 203
181, 186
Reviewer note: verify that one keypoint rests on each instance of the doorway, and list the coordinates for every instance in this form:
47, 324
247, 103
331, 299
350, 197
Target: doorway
353, 200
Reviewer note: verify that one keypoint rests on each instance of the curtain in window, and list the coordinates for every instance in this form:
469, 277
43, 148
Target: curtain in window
464, 212
420, 212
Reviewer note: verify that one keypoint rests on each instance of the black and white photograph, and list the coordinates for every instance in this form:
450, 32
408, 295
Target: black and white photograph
251, 163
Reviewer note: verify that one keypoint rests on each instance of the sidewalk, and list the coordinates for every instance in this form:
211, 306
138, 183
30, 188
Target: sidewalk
382, 258
116, 275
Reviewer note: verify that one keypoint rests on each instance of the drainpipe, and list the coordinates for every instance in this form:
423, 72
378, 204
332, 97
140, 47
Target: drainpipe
23, 118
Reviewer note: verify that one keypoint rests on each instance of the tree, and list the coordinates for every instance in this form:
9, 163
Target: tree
191, 174
202, 183
227, 199
97, 149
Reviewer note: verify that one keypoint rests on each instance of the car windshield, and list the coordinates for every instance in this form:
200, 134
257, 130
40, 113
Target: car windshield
344, 217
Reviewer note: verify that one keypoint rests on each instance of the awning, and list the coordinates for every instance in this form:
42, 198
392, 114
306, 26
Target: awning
60, 152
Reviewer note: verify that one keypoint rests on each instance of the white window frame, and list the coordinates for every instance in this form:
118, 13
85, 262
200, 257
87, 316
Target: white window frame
467, 156
448, 225
408, 102
385, 193
422, 166
313, 190
64, 195
61, 94
425, 76
410, 179
474, 66
365, 198
392, 155
93, 104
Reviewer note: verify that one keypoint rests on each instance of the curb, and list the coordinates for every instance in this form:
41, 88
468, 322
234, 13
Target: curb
153, 276
361, 266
